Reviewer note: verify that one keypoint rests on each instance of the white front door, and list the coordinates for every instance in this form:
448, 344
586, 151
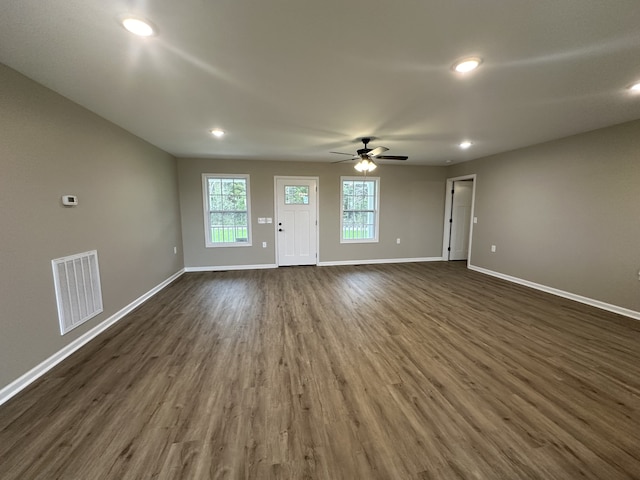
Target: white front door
296, 220
460, 219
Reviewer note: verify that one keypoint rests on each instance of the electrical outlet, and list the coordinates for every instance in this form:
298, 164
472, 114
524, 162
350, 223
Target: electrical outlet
398, 241
493, 249
175, 250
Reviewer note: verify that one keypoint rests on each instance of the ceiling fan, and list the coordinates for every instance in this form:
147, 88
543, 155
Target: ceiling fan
369, 154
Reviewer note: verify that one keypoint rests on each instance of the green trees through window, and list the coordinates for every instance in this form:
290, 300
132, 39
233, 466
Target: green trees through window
296, 195
227, 217
359, 209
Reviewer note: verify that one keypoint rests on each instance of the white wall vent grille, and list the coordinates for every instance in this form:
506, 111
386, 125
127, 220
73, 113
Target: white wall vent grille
78, 291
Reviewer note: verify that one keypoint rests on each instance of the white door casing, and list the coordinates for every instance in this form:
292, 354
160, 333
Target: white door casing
296, 220
460, 219
446, 236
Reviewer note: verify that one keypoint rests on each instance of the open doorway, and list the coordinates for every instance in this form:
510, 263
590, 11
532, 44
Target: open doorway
459, 218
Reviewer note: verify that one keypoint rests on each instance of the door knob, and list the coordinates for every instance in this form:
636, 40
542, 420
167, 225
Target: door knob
279, 229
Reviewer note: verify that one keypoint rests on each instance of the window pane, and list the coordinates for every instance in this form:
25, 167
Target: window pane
214, 186
347, 202
240, 219
216, 219
296, 195
370, 202
227, 186
229, 202
369, 218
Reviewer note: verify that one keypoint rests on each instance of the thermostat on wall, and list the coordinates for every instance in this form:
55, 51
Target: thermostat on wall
69, 200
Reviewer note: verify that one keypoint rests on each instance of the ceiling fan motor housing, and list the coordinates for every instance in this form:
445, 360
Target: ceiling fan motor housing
364, 151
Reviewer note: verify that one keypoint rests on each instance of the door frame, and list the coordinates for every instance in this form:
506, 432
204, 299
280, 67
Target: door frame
448, 204
275, 210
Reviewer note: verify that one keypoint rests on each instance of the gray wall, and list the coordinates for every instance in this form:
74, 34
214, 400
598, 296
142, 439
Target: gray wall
128, 211
565, 214
411, 207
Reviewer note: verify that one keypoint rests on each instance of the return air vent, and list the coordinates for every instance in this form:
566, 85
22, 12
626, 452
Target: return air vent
78, 291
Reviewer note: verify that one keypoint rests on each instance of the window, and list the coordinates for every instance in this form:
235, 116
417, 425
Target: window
227, 218
359, 204
296, 195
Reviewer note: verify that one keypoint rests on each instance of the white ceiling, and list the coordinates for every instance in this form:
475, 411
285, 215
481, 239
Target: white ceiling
295, 79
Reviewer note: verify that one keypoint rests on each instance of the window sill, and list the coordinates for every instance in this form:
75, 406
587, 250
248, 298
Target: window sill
373, 240
222, 245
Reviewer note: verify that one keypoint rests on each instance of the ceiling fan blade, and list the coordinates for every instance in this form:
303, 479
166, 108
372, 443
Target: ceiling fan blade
342, 153
377, 151
345, 160
392, 157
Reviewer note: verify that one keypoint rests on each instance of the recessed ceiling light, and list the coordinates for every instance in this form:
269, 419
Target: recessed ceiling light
216, 132
464, 145
635, 87
467, 64
138, 26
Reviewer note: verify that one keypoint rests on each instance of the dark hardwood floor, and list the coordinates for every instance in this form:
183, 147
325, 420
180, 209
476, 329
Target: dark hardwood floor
413, 371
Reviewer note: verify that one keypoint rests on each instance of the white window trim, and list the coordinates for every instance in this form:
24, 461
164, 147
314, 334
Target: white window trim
207, 218
377, 211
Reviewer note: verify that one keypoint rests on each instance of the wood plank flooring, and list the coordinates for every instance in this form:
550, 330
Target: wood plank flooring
413, 371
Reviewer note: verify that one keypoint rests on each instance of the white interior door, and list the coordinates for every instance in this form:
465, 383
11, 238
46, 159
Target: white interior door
460, 219
296, 220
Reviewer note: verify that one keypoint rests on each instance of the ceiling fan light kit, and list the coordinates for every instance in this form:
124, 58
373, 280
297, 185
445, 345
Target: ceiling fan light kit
365, 165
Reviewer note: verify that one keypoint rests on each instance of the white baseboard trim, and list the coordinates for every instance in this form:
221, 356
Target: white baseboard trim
379, 260
223, 268
36, 372
561, 293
